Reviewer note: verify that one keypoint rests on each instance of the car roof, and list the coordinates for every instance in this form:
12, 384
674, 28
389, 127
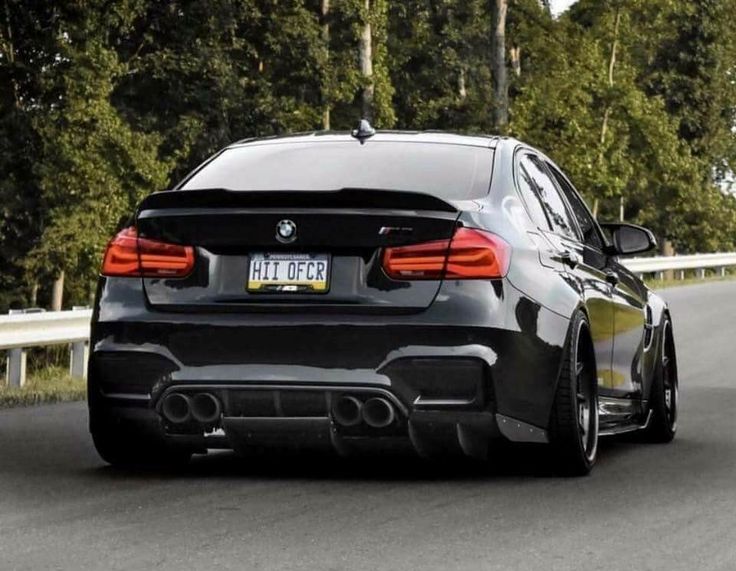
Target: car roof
428, 137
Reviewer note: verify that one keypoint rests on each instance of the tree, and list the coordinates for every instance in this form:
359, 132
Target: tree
107, 101
584, 97
326, 104
26, 48
499, 10
440, 66
692, 69
94, 168
376, 90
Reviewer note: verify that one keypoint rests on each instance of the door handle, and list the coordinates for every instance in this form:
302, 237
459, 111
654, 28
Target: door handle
611, 276
570, 258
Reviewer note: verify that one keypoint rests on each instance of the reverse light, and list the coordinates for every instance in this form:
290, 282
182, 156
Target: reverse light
470, 254
127, 255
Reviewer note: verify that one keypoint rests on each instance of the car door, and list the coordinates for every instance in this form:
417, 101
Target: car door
629, 330
607, 274
628, 302
583, 261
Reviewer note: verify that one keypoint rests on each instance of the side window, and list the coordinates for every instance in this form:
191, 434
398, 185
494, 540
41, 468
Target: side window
532, 198
588, 227
548, 196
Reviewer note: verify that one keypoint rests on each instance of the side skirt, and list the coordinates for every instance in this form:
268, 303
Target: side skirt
619, 415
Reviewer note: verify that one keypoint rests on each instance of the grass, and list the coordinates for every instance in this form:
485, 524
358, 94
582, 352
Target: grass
47, 385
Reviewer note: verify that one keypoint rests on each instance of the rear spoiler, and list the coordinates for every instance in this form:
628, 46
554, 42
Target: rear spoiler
344, 198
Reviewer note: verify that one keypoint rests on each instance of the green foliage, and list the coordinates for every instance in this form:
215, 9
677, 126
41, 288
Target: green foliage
384, 115
104, 102
440, 65
95, 168
648, 153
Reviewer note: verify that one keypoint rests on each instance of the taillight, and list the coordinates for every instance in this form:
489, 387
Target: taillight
470, 254
131, 256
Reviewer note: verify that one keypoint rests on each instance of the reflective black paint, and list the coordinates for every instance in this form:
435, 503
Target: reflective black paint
149, 336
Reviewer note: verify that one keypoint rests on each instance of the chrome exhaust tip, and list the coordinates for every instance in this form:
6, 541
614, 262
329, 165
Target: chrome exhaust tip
176, 408
206, 408
346, 411
378, 412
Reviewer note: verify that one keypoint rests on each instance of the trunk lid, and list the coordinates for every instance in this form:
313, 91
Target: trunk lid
347, 229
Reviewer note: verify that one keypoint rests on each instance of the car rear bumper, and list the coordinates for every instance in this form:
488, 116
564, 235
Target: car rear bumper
458, 375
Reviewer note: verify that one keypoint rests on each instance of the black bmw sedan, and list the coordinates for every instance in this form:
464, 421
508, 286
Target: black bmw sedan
375, 290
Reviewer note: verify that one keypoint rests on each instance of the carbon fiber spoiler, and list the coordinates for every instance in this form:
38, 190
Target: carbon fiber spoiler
344, 198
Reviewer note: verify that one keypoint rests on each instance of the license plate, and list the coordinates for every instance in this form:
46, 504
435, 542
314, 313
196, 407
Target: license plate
289, 273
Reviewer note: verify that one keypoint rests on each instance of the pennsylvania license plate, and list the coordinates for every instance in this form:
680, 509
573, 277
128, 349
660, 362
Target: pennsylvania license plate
289, 273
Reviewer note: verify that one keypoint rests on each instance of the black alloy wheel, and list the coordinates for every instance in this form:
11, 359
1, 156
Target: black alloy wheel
665, 394
574, 422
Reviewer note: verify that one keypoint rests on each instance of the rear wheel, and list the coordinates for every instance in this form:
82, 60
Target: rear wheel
664, 397
574, 421
136, 453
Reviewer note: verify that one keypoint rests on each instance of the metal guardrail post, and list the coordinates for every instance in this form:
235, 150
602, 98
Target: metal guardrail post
78, 360
79, 352
15, 371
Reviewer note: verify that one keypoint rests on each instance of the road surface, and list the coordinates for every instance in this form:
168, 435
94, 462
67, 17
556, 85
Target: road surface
644, 506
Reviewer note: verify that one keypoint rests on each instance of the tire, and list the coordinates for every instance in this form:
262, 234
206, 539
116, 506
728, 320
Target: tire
132, 453
574, 421
664, 396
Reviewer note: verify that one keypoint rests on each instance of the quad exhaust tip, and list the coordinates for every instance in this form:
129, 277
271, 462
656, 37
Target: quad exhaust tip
177, 408
206, 408
346, 411
378, 412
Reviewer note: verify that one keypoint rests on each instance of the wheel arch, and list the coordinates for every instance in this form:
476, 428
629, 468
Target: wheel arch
660, 314
580, 309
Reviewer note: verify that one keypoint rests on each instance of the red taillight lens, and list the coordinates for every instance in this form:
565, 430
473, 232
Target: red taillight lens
477, 254
418, 261
471, 254
129, 255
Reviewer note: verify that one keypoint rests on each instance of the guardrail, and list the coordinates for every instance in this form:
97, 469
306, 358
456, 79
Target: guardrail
20, 330
699, 262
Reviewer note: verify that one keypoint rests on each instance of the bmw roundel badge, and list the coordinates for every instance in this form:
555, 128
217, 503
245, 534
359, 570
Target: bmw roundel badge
286, 231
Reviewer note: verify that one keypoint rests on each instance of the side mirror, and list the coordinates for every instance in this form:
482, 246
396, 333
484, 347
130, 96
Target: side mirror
629, 239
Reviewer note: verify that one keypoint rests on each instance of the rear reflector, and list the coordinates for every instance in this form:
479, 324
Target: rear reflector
470, 254
127, 255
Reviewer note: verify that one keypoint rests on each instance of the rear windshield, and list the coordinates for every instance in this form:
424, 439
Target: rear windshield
452, 172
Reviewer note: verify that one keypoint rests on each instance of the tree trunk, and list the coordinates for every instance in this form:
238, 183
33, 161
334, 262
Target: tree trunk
668, 249
326, 40
366, 64
515, 53
611, 67
11, 55
57, 293
499, 9
462, 90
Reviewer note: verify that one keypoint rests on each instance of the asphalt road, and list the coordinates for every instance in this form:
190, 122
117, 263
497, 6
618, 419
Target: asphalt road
644, 507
